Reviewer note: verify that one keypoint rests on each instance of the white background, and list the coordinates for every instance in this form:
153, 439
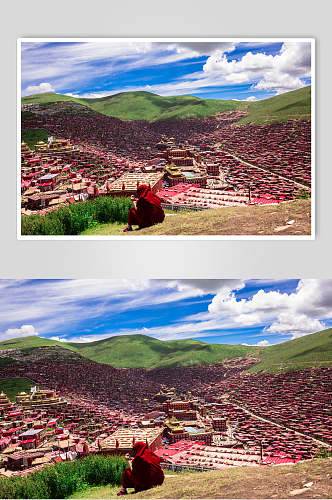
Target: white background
166, 258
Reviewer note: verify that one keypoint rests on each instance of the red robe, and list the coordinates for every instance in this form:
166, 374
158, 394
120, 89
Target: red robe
148, 209
146, 471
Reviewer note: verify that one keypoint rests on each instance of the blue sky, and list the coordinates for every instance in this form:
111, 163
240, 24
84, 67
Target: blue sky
220, 70
232, 311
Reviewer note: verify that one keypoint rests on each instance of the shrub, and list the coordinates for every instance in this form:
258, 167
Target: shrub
75, 218
64, 479
323, 452
303, 194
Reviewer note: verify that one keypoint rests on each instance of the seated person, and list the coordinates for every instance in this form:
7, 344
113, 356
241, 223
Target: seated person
145, 471
148, 209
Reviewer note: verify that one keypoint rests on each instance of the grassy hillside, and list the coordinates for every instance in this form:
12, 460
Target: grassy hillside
237, 482
129, 351
255, 220
140, 350
30, 342
152, 107
290, 105
143, 105
47, 97
34, 135
12, 386
310, 350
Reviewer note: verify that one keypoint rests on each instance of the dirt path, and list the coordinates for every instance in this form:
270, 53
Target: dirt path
248, 220
309, 479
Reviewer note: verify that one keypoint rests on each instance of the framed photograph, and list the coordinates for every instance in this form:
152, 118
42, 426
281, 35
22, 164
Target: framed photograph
180, 388
175, 138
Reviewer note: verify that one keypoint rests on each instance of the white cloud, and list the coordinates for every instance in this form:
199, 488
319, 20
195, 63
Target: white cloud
296, 325
280, 82
212, 285
23, 331
296, 314
251, 98
63, 65
206, 48
71, 94
263, 343
66, 64
282, 72
71, 300
78, 304
38, 89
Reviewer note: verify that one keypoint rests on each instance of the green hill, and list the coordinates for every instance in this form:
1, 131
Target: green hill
147, 352
290, 105
310, 350
31, 342
152, 107
48, 97
129, 351
143, 105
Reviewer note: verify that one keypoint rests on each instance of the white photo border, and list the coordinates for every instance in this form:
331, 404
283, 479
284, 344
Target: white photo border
135, 238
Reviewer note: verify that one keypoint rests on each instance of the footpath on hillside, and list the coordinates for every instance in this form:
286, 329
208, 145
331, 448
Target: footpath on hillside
310, 479
286, 219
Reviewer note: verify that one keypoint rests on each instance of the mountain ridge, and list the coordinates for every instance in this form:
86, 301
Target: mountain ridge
142, 105
141, 351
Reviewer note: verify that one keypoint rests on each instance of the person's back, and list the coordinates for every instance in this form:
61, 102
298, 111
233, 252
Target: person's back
149, 213
148, 209
146, 471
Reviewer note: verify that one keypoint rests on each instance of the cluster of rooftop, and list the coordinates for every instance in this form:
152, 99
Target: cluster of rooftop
226, 419
208, 163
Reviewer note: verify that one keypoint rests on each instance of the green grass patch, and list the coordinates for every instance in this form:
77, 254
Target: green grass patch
34, 135
12, 386
108, 491
7, 361
323, 452
27, 114
78, 217
64, 479
115, 228
303, 194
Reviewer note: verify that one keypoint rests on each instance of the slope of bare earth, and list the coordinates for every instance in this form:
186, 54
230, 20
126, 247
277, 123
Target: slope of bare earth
257, 220
286, 481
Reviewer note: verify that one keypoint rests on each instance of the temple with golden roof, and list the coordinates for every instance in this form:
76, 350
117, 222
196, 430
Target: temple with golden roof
41, 398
